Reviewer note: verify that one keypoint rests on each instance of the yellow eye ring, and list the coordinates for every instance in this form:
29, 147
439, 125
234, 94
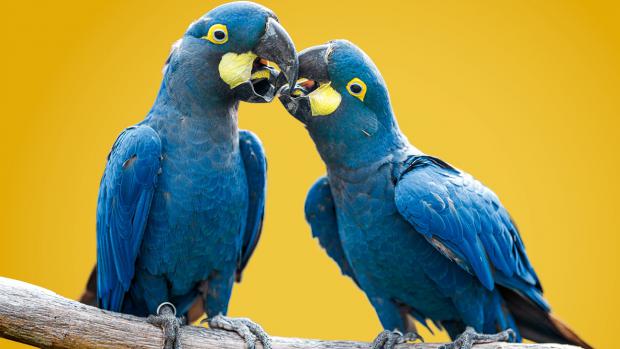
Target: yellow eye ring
357, 88
218, 34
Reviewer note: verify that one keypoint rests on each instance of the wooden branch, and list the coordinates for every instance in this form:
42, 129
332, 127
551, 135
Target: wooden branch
39, 317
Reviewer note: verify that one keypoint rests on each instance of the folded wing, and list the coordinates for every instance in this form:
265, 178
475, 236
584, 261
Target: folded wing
466, 222
125, 196
255, 165
321, 214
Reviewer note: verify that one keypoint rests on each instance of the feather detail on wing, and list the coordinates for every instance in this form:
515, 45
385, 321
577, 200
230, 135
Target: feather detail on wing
466, 222
125, 196
321, 214
255, 165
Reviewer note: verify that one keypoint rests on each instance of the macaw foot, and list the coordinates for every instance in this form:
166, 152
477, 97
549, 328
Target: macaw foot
169, 323
389, 339
470, 337
246, 328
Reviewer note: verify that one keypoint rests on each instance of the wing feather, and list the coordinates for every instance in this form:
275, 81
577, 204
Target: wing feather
466, 222
321, 214
255, 164
125, 196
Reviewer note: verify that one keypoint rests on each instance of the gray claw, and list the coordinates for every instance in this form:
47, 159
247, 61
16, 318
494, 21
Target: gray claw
246, 328
389, 339
470, 337
411, 337
166, 319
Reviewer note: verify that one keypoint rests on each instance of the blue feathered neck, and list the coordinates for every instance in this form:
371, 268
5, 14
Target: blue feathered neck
362, 145
193, 99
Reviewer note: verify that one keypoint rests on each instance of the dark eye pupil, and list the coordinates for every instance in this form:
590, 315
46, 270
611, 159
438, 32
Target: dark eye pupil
355, 88
219, 34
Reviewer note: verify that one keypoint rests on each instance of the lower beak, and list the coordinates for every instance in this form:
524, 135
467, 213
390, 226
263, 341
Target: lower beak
299, 107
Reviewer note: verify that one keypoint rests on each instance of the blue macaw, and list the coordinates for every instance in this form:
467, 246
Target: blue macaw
423, 239
181, 200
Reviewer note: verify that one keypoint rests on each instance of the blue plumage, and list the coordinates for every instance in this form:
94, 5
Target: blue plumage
466, 222
125, 196
417, 235
182, 198
256, 167
321, 214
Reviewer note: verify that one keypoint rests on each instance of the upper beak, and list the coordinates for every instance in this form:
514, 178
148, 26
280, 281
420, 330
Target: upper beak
277, 46
313, 63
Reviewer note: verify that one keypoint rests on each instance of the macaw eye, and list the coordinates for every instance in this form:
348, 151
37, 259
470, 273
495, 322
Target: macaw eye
357, 88
218, 34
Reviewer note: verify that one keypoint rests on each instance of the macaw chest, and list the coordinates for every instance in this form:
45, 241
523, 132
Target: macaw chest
388, 257
210, 188
372, 232
198, 213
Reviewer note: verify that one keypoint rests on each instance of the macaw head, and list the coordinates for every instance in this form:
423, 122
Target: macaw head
238, 50
343, 101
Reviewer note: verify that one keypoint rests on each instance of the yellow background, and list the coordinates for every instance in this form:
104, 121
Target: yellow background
525, 95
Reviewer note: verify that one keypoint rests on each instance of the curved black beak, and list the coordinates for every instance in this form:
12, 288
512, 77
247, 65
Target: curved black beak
313, 65
277, 46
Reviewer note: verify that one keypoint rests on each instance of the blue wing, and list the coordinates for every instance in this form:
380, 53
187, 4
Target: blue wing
125, 195
321, 214
255, 164
466, 222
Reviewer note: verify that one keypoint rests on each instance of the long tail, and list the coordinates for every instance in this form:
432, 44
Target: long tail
536, 324
89, 296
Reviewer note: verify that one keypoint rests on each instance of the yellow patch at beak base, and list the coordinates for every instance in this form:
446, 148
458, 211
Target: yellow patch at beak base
236, 69
324, 100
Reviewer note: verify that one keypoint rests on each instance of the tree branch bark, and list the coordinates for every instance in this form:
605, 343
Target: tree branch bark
39, 317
